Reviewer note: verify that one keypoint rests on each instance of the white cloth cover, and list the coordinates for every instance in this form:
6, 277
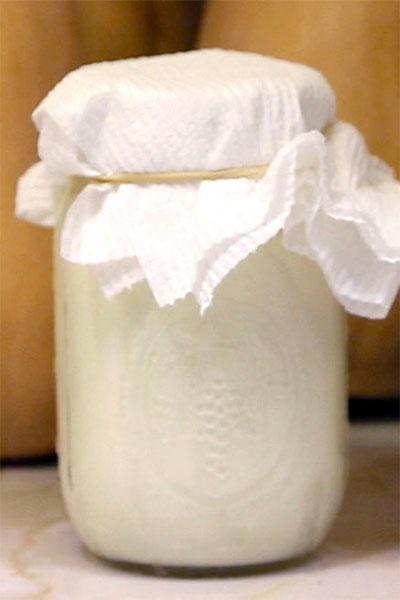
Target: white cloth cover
213, 109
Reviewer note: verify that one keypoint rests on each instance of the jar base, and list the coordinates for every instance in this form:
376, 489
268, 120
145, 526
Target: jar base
199, 572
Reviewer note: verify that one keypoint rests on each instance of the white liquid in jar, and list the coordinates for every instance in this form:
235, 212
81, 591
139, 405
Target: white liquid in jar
203, 441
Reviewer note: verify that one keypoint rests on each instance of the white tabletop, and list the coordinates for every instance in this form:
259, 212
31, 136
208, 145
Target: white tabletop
42, 559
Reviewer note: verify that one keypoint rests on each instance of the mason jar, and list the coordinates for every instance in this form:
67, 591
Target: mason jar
212, 220
202, 441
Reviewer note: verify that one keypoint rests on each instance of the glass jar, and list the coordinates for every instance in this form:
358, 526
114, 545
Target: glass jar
202, 441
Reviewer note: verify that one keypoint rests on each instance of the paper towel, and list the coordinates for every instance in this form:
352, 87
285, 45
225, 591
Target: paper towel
213, 109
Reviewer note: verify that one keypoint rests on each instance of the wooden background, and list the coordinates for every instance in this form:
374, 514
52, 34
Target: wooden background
354, 43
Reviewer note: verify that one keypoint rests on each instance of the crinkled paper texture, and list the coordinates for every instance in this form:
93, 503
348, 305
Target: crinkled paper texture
333, 202
206, 109
213, 109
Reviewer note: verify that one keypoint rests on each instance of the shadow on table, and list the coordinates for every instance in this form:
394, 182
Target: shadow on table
368, 521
